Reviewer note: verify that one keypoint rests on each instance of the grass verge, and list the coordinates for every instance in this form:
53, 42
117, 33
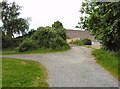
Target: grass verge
23, 73
109, 60
40, 50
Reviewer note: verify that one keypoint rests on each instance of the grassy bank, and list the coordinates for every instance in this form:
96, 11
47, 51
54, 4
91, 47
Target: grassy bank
23, 73
109, 60
40, 50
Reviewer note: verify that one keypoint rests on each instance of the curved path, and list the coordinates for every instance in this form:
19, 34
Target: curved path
73, 68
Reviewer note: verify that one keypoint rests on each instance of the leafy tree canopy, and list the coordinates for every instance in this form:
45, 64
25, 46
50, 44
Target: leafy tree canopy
11, 23
58, 26
102, 19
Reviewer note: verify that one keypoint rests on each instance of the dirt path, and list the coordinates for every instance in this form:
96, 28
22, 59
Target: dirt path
73, 68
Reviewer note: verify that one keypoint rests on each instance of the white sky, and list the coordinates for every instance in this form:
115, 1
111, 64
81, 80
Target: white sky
46, 12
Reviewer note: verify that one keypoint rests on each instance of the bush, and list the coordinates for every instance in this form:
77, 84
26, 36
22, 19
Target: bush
82, 42
58, 27
77, 42
44, 37
7, 42
62, 33
58, 43
26, 45
48, 38
86, 42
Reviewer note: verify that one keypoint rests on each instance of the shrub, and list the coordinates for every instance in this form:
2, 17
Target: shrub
17, 41
47, 37
7, 41
77, 42
58, 43
44, 37
58, 27
86, 42
62, 33
26, 45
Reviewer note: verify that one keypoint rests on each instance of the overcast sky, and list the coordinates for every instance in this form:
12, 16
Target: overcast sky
46, 12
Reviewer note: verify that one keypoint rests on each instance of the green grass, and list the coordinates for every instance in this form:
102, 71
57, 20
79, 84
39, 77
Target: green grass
23, 73
40, 50
109, 60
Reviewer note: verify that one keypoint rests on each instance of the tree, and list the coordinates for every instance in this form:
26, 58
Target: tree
59, 29
102, 19
11, 23
57, 25
18, 26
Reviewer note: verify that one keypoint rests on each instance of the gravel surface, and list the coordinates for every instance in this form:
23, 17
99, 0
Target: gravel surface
73, 68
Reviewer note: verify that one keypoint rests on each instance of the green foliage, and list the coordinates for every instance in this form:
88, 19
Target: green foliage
23, 73
26, 45
6, 40
62, 33
47, 37
77, 42
102, 19
44, 37
58, 43
58, 27
11, 23
17, 26
19, 39
109, 60
82, 42
0, 40
86, 42
31, 32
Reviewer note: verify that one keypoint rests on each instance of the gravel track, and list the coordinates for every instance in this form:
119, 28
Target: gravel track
73, 68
